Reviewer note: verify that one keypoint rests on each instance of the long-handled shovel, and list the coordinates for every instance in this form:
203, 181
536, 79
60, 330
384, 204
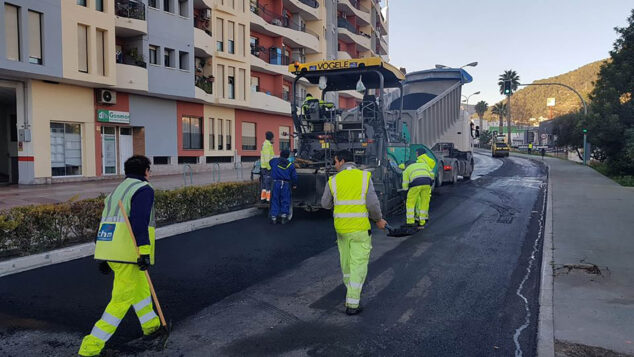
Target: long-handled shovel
400, 231
147, 276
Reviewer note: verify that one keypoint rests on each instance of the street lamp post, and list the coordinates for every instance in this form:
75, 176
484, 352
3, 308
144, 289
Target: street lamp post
467, 100
472, 64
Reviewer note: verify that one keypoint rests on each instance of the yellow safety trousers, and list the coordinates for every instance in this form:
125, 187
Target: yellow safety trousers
354, 254
418, 204
130, 288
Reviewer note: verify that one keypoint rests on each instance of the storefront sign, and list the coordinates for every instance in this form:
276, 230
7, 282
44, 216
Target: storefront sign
112, 116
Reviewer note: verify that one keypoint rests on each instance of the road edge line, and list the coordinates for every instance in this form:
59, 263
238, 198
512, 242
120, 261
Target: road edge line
546, 321
21, 264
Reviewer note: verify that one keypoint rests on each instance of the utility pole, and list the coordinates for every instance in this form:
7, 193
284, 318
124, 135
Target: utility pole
585, 147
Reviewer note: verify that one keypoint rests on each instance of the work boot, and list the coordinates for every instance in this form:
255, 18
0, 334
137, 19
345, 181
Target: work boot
273, 220
353, 310
283, 219
157, 339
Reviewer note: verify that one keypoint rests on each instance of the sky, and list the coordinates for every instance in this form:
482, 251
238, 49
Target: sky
536, 38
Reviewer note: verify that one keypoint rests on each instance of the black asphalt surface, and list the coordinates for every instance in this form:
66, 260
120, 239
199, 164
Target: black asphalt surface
479, 243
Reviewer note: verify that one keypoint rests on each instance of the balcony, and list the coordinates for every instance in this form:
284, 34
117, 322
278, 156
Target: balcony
348, 33
130, 18
382, 45
203, 43
132, 77
297, 35
343, 55
204, 88
352, 7
269, 104
307, 8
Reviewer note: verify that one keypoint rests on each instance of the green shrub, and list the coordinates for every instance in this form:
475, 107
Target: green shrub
32, 229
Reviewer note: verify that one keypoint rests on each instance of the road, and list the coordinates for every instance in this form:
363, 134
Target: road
466, 285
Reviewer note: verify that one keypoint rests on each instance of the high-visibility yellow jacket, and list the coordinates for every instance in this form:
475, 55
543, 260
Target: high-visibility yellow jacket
114, 242
266, 154
349, 189
421, 168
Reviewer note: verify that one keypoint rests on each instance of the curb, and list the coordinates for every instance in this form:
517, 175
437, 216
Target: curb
30, 262
546, 321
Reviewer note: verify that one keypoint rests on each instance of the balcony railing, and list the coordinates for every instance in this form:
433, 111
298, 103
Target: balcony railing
312, 3
272, 55
132, 9
131, 57
202, 24
205, 83
279, 20
341, 22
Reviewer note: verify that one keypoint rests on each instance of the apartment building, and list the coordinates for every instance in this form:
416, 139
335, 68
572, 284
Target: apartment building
84, 84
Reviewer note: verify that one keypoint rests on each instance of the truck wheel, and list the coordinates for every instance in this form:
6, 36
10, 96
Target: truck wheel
454, 177
439, 178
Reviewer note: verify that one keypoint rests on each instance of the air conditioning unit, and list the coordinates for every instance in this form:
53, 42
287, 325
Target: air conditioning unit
207, 14
106, 96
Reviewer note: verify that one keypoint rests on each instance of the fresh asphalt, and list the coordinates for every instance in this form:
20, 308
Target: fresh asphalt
451, 290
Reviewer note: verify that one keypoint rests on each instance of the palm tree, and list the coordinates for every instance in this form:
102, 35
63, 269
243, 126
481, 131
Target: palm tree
509, 76
500, 109
481, 107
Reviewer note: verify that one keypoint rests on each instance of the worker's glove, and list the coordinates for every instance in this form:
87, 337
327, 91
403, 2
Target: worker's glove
143, 262
104, 268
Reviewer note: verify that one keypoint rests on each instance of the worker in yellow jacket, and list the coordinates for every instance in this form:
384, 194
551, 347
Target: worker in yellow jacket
266, 155
417, 179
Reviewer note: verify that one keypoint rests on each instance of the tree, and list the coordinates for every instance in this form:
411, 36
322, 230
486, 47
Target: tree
610, 124
481, 107
512, 77
500, 110
485, 138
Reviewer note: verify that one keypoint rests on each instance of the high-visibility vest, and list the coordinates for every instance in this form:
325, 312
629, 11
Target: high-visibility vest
349, 189
424, 158
114, 242
266, 154
416, 170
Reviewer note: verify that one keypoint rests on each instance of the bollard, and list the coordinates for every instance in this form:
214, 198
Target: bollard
188, 169
239, 172
215, 172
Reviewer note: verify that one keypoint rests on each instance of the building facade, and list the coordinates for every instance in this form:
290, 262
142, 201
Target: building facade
85, 84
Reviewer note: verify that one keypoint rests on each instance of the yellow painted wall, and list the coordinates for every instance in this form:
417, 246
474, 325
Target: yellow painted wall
72, 16
224, 114
65, 104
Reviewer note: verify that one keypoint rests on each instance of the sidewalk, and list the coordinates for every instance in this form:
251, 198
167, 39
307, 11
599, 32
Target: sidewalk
593, 262
23, 195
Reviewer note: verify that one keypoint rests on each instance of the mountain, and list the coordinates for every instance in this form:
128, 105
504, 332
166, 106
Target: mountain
530, 101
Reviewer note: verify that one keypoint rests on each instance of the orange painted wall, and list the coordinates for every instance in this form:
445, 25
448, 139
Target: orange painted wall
269, 83
192, 110
123, 105
263, 123
347, 103
267, 41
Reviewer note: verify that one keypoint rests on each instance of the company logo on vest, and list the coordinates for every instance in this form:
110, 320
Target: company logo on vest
106, 232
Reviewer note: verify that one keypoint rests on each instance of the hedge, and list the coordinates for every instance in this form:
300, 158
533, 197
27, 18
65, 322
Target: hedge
33, 229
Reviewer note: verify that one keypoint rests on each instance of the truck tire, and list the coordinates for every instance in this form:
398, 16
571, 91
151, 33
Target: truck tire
439, 178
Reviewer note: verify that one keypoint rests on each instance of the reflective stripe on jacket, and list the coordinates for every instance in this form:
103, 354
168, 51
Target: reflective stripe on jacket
349, 189
419, 169
266, 154
114, 242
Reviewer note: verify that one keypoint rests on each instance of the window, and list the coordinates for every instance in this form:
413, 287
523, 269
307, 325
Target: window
183, 60
101, 48
82, 48
192, 133
99, 5
242, 39
255, 43
220, 134
12, 32
221, 81
161, 160
212, 135
153, 54
231, 27
152, 3
109, 149
168, 58
35, 37
231, 80
183, 6
219, 34
65, 149
255, 84
81, 2
249, 139
285, 138
188, 159
228, 134
167, 5
242, 81
286, 91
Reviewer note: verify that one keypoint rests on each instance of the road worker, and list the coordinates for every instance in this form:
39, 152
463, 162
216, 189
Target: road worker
266, 154
355, 202
283, 176
530, 148
322, 105
417, 179
115, 250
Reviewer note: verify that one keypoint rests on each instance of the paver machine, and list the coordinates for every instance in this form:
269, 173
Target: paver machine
368, 130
